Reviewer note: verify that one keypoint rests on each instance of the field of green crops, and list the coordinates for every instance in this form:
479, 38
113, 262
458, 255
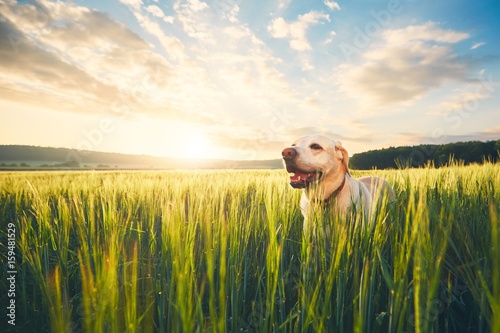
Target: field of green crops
224, 251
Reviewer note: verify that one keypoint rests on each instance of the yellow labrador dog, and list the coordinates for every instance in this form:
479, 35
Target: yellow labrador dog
319, 160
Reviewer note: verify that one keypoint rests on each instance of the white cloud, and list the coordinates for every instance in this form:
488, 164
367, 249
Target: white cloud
136, 4
492, 133
488, 134
232, 16
282, 4
405, 64
296, 31
192, 15
329, 40
158, 12
155, 10
466, 99
172, 45
279, 28
192, 5
476, 45
306, 65
169, 19
429, 31
90, 58
237, 32
332, 5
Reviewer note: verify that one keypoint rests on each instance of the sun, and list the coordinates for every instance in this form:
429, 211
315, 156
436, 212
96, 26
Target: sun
195, 146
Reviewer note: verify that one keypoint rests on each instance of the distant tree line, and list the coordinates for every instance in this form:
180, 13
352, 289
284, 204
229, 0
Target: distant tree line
417, 156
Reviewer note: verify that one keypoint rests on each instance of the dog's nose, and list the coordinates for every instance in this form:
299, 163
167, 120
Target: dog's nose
288, 153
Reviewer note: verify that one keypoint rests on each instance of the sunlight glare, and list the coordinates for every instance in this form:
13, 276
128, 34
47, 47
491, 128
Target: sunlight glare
195, 146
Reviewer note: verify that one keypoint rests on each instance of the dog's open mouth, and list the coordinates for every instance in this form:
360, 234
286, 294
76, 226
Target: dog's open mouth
301, 179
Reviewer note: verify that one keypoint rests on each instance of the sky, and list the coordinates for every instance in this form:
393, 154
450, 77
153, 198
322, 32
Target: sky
241, 79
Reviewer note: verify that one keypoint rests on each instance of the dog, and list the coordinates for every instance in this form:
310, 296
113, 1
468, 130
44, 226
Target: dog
319, 166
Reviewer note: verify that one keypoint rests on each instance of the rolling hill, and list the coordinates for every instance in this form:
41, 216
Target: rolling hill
21, 157
32, 157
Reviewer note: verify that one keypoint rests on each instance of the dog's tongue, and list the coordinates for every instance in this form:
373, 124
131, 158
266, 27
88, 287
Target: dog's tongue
298, 177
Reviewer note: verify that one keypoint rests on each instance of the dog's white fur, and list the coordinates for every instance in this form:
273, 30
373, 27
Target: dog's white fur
336, 185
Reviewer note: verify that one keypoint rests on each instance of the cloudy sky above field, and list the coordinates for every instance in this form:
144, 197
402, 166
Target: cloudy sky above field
242, 79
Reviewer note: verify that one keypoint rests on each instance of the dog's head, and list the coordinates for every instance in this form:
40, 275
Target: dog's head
312, 159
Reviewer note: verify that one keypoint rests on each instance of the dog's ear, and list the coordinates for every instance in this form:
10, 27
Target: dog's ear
343, 155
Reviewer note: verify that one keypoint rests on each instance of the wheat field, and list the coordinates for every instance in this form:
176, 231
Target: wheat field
224, 251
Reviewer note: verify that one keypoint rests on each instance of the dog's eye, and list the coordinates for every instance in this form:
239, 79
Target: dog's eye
315, 146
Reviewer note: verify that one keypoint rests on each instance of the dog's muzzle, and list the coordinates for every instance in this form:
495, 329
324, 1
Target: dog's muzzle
299, 178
